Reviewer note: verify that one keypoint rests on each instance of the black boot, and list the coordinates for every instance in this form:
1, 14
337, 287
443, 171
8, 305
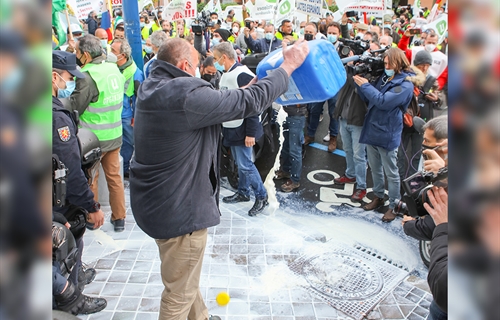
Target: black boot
85, 276
73, 301
258, 207
235, 198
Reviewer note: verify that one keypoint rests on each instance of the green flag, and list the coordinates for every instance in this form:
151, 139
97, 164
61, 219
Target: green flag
58, 6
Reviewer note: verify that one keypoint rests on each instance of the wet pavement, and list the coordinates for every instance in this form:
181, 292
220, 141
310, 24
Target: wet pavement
311, 258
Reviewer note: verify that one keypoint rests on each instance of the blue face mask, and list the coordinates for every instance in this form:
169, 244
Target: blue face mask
142, 24
349, 26
215, 41
389, 72
65, 93
104, 44
269, 36
332, 38
148, 49
218, 66
12, 81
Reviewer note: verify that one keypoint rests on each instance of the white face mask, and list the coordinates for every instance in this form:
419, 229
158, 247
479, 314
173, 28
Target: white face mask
430, 47
236, 29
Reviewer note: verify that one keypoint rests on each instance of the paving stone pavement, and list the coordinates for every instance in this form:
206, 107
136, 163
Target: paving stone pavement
245, 257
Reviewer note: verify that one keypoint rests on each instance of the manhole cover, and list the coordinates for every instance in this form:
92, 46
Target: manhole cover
352, 280
341, 276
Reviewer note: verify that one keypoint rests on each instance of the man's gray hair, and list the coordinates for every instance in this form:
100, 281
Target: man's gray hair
227, 49
91, 44
440, 127
269, 25
175, 50
389, 38
158, 38
124, 47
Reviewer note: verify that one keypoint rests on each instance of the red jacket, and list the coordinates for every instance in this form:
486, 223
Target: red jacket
442, 79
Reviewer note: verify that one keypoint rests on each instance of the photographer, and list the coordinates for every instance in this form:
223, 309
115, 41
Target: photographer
435, 135
387, 100
438, 268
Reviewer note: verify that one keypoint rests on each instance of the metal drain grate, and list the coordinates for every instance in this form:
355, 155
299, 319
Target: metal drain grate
352, 281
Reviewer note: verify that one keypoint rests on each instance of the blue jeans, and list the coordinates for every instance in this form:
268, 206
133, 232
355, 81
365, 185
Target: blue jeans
315, 110
128, 143
355, 153
291, 154
382, 160
435, 313
248, 175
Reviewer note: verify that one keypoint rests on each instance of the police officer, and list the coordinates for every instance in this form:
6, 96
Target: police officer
66, 146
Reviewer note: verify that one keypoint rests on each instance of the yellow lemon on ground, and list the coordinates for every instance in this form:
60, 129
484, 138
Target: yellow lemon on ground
222, 298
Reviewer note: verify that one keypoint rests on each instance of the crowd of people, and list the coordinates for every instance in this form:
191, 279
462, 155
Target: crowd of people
169, 138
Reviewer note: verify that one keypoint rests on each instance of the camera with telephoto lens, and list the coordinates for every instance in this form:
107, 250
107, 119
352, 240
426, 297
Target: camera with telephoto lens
356, 46
202, 23
416, 188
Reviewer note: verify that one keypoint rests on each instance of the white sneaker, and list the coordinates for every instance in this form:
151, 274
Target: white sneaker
327, 137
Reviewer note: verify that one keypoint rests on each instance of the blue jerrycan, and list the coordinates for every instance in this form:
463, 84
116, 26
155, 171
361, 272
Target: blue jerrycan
318, 79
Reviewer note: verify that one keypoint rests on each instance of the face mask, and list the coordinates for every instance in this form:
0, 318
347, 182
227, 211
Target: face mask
301, 31
308, 37
349, 26
219, 67
402, 21
142, 24
389, 72
214, 21
148, 49
79, 62
430, 47
197, 73
236, 29
269, 36
104, 44
332, 38
215, 41
65, 93
260, 30
207, 77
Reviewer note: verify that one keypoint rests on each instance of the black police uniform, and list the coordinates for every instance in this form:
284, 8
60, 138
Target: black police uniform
66, 146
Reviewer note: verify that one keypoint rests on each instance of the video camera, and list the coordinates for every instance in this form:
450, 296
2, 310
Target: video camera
416, 188
202, 23
356, 46
366, 64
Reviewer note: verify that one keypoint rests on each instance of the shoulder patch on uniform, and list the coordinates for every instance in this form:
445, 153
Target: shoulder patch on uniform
64, 133
398, 89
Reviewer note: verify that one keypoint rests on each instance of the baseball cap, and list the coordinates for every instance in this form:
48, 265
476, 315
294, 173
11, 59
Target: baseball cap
387, 18
75, 28
362, 26
66, 61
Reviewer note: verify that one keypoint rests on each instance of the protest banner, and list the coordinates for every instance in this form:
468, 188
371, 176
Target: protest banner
310, 7
180, 9
439, 25
264, 9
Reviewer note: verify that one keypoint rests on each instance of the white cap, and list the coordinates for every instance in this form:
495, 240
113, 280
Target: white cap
75, 28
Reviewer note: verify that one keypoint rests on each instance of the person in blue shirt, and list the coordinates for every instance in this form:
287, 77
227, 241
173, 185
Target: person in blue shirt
387, 99
262, 45
133, 79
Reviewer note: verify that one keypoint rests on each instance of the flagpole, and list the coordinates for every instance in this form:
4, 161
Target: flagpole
274, 22
110, 7
69, 24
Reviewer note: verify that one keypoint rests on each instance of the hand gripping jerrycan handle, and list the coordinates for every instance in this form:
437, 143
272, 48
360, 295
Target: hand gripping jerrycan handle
318, 79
